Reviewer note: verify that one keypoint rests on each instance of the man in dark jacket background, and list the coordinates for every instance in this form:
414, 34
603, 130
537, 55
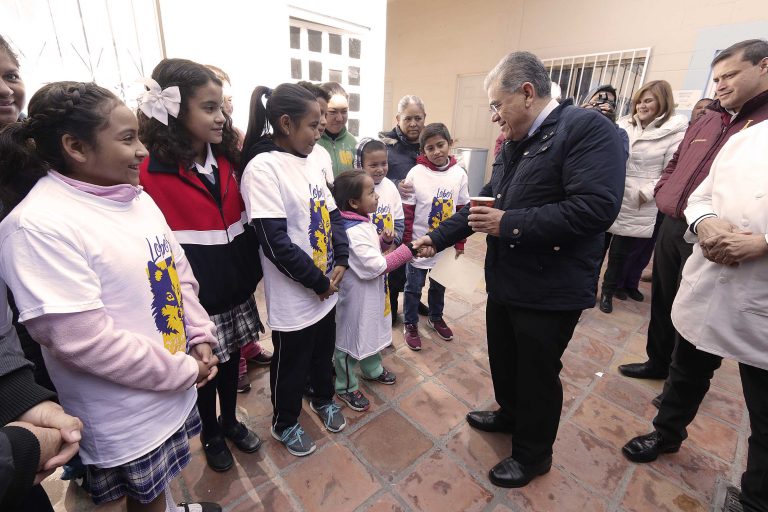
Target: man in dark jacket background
558, 185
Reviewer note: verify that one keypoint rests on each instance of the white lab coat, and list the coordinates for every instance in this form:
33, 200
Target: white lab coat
724, 310
363, 318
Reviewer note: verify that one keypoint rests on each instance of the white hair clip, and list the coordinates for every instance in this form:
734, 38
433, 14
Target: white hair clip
158, 103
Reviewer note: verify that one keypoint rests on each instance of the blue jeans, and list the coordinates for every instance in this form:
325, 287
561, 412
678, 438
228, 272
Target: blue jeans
415, 279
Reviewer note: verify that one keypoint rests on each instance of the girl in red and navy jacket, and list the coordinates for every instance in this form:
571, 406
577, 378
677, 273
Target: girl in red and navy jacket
190, 175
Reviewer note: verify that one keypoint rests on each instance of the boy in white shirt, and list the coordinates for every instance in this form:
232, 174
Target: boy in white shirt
440, 190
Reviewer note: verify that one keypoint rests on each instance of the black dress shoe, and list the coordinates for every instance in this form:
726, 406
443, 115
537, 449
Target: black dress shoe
489, 421
245, 439
646, 370
647, 448
217, 455
423, 309
620, 294
510, 473
606, 306
635, 294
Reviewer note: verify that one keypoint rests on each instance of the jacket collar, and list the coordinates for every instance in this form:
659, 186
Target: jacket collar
750, 106
156, 166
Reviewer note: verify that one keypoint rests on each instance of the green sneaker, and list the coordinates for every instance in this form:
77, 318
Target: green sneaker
295, 440
331, 415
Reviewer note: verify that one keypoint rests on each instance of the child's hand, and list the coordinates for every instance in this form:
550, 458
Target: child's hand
203, 374
206, 363
327, 293
426, 252
459, 252
388, 235
336, 275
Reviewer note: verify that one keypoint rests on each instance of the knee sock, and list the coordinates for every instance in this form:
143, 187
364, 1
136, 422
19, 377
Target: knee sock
226, 385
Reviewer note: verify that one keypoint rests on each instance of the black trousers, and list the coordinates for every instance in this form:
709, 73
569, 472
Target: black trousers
669, 257
688, 382
524, 350
618, 255
298, 354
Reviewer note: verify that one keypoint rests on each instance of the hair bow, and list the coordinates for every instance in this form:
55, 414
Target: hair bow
158, 103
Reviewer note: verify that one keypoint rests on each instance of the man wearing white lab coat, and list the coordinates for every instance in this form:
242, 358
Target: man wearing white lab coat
722, 304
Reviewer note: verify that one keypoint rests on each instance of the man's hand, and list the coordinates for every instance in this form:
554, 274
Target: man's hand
483, 219
424, 247
712, 226
459, 252
50, 415
734, 248
52, 448
206, 363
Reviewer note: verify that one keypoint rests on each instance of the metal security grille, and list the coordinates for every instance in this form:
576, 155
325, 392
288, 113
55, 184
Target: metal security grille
578, 74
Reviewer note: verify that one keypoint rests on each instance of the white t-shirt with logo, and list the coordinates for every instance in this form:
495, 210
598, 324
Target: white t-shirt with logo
320, 157
436, 196
390, 207
63, 250
279, 185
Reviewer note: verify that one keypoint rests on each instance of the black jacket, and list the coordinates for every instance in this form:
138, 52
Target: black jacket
561, 189
401, 155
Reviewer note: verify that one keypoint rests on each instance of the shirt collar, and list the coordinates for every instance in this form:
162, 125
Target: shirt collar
552, 105
210, 163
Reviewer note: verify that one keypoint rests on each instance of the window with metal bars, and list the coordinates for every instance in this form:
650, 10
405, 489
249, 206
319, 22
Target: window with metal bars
579, 74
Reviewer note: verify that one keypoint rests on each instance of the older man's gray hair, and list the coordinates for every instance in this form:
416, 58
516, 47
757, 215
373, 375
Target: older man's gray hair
517, 68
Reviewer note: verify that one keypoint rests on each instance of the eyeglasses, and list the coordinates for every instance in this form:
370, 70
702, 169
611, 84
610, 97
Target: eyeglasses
495, 108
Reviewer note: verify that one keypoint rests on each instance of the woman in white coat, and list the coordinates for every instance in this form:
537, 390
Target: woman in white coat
721, 306
654, 134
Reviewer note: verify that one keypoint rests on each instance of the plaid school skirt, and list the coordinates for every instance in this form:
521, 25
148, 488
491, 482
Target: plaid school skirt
145, 478
235, 328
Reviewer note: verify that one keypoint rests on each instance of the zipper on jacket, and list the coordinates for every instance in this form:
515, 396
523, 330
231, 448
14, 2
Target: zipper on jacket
688, 186
208, 193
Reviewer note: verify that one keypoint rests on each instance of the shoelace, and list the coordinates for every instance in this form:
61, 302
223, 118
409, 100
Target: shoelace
329, 411
294, 432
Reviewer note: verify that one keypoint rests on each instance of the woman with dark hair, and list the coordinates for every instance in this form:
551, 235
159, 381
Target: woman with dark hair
190, 173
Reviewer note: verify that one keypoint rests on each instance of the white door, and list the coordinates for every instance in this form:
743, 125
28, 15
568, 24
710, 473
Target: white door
471, 120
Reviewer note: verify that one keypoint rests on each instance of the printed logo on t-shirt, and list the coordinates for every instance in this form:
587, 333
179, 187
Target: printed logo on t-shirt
382, 219
320, 238
442, 208
167, 304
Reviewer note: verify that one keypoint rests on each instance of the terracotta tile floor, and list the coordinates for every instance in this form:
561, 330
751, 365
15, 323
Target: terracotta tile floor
414, 451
